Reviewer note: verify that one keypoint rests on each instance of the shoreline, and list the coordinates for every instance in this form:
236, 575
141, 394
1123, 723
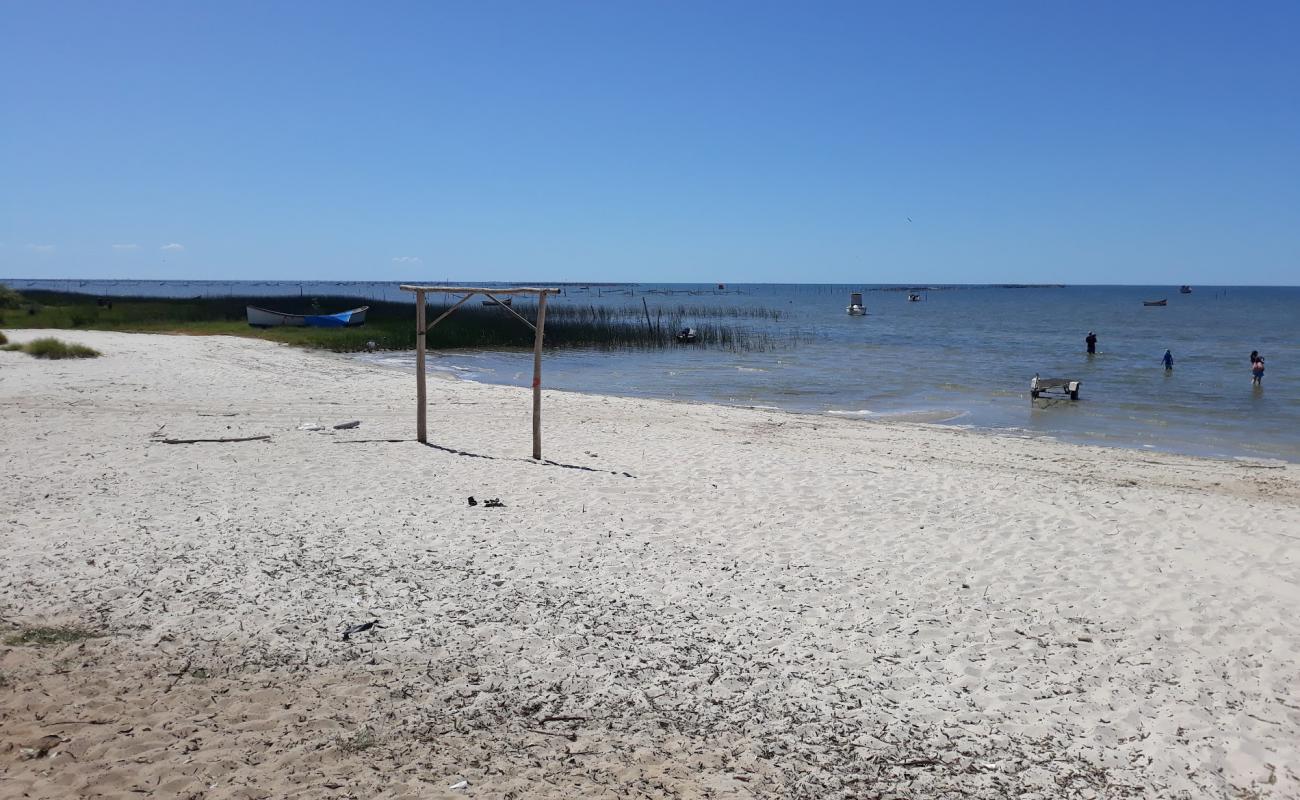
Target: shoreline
943, 418
684, 599
908, 360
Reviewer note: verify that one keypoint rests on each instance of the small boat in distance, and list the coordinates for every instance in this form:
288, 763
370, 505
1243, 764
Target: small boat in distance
1184, 290
266, 318
1155, 302
856, 309
505, 302
913, 297
687, 336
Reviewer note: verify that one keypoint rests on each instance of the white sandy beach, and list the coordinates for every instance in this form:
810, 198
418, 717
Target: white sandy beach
691, 601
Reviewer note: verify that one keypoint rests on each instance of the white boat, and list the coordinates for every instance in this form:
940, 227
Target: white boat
266, 318
856, 309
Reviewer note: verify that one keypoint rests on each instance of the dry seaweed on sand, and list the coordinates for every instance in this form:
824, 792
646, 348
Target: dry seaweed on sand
44, 636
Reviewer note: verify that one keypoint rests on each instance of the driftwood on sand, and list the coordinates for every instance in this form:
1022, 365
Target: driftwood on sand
222, 439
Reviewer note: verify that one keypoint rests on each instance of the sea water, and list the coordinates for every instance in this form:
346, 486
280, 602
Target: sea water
961, 356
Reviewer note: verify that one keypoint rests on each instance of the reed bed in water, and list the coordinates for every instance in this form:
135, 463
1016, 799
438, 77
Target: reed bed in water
390, 325
677, 311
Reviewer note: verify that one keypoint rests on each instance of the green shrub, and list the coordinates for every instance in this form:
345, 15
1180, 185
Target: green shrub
55, 349
360, 741
9, 298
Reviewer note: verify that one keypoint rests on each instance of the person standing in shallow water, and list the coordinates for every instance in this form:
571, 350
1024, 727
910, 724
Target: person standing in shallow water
1091, 341
1168, 361
1256, 368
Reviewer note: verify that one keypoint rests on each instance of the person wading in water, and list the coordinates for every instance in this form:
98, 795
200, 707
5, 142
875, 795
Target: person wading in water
1091, 341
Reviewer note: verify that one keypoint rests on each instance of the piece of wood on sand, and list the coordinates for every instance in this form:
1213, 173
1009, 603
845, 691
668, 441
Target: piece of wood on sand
223, 439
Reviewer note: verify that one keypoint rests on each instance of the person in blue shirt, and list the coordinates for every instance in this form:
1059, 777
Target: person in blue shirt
1168, 360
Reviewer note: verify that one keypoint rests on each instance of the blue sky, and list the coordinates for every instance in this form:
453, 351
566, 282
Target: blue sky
1098, 142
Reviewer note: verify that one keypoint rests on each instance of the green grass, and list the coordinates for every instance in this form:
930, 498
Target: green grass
391, 325
9, 298
42, 637
55, 349
51, 348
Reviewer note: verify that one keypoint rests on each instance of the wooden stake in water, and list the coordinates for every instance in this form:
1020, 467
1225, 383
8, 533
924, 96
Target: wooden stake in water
649, 329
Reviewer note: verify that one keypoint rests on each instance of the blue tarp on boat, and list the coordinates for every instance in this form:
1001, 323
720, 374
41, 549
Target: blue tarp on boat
339, 320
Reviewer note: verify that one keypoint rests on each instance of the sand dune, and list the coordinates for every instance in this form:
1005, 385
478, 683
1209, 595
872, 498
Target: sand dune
690, 601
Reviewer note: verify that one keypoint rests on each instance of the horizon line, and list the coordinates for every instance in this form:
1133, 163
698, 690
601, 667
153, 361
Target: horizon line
911, 284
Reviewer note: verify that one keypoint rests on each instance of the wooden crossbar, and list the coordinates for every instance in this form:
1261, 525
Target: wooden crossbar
477, 289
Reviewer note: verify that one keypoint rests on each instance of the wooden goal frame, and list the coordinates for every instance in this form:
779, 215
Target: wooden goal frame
421, 330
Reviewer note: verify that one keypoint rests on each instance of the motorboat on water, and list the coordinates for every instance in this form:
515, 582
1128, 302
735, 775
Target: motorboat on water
856, 309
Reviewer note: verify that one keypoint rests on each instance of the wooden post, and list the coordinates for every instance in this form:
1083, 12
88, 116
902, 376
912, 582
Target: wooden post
537, 376
420, 433
649, 330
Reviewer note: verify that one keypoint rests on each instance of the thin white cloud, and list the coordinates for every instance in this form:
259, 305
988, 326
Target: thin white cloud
41, 248
126, 247
406, 259
173, 247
